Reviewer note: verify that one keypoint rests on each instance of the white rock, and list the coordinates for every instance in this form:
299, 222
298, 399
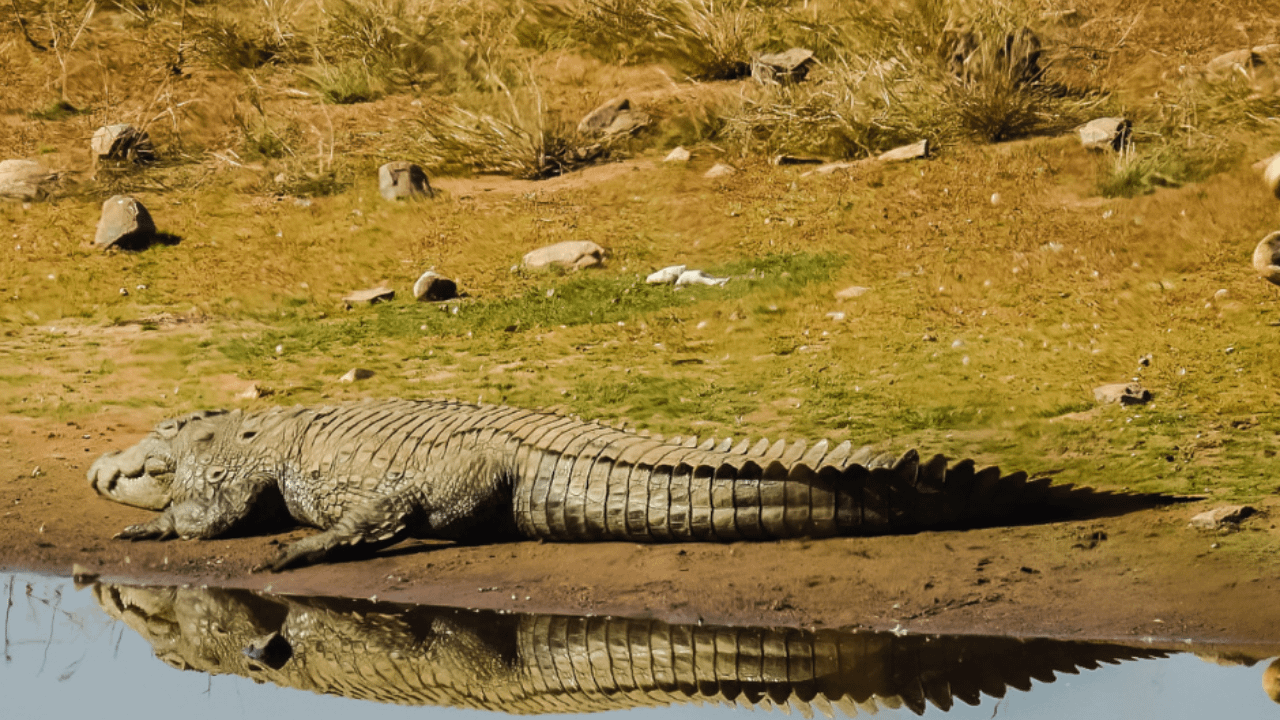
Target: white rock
434, 287
372, 296
1123, 393
1223, 515
355, 374
1271, 176
720, 170
403, 179
914, 151
570, 255
679, 155
666, 275
851, 292
697, 277
25, 179
1266, 258
1109, 133
122, 142
836, 316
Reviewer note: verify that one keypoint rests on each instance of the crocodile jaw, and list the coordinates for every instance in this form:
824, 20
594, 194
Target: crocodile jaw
140, 476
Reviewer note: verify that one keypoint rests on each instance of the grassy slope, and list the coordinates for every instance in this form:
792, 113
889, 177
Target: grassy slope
1030, 301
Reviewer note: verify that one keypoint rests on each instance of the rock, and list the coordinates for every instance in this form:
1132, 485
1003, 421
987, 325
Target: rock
784, 68
569, 255
1109, 133
1271, 176
836, 316
124, 222
25, 179
794, 160
403, 179
433, 287
122, 142
1266, 258
720, 170
612, 119
666, 275
1229, 63
255, 391
679, 155
697, 277
355, 374
851, 292
372, 296
1223, 516
914, 151
832, 167
1123, 393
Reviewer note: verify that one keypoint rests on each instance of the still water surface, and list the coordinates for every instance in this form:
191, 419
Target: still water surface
114, 651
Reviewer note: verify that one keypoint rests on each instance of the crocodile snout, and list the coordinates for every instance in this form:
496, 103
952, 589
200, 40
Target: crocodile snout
137, 476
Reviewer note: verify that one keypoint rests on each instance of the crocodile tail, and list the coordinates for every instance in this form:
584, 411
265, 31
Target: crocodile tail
650, 490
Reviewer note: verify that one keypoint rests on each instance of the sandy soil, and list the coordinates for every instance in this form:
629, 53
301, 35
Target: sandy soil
1145, 574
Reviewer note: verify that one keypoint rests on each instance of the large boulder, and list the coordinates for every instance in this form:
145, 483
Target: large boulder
403, 179
25, 179
125, 222
122, 141
568, 255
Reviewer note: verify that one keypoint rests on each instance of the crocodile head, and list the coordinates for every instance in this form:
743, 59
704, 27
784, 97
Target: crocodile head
143, 475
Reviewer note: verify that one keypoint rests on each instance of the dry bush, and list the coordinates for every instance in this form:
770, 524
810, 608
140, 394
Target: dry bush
519, 138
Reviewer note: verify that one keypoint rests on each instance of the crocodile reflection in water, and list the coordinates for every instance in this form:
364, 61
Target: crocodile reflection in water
529, 664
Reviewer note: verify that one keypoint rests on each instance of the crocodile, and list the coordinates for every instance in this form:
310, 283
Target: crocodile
525, 663
370, 474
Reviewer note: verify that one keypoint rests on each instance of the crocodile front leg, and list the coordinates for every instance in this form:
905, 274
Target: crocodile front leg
209, 517
370, 526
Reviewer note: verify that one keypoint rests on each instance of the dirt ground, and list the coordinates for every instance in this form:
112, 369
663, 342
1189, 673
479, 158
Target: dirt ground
1132, 577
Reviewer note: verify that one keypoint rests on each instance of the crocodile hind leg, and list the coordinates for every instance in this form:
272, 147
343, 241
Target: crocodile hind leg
373, 525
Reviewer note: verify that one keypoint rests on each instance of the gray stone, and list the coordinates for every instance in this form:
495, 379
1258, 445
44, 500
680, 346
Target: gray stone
914, 151
568, 255
355, 374
1266, 258
679, 155
124, 222
720, 170
372, 296
122, 142
403, 179
434, 287
1109, 133
25, 179
613, 118
666, 275
1123, 393
784, 68
1223, 516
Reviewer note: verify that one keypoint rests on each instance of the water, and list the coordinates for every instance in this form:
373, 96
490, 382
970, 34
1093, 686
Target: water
110, 651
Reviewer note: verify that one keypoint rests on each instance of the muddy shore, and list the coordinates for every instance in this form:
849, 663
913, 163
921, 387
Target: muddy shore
1136, 576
